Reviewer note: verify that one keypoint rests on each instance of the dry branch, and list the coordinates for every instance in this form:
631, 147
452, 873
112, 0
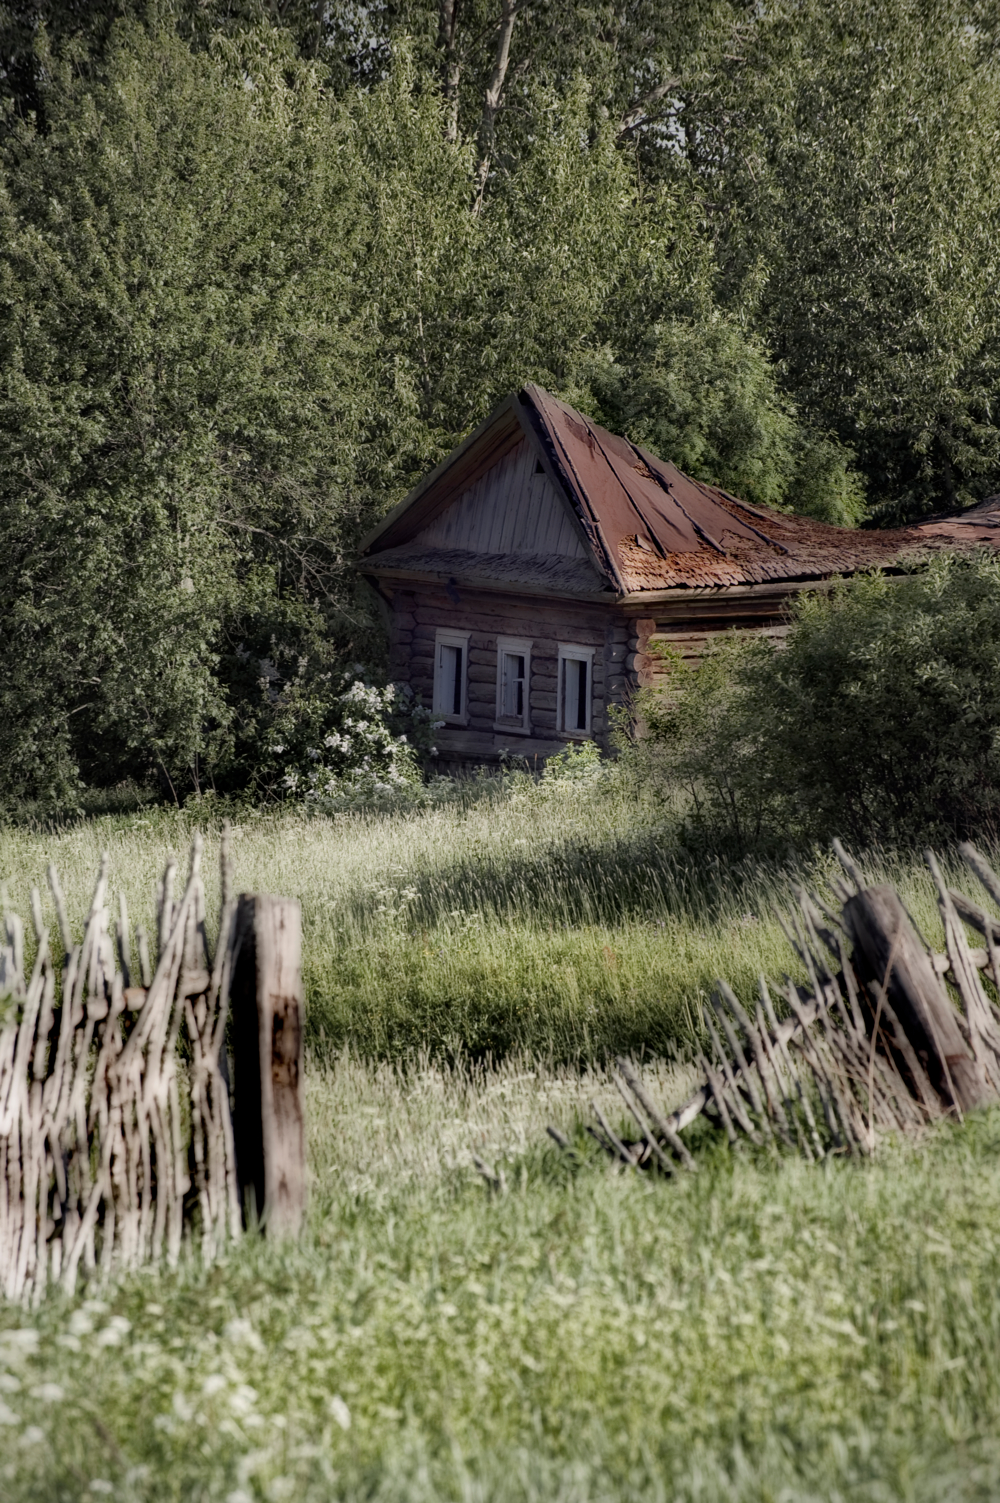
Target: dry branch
96, 1153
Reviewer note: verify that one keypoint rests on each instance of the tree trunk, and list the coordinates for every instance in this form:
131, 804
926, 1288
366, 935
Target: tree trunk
491, 103
451, 68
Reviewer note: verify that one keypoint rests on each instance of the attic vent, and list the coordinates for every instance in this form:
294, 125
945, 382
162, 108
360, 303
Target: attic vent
539, 467
644, 470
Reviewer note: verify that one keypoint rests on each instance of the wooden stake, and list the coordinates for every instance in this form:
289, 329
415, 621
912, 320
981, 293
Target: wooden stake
269, 1118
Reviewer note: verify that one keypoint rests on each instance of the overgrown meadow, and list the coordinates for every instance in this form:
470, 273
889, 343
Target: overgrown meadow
759, 1330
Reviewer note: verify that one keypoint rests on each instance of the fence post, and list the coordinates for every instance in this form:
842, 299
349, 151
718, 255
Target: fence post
882, 933
268, 1111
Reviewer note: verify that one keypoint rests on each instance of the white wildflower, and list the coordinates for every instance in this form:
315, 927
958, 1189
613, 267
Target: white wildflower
340, 1412
240, 1332
23, 1340
182, 1406
7, 1415
212, 1385
116, 1328
49, 1393
242, 1399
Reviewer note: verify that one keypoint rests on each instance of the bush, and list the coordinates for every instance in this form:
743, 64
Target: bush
879, 719
349, 748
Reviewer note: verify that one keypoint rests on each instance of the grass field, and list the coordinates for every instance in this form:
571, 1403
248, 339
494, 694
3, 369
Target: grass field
556, 921
757, 1331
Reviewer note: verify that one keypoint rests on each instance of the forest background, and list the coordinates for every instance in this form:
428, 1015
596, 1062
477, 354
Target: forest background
261, 266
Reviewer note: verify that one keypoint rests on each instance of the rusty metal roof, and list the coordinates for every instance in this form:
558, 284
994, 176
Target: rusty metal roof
650, 527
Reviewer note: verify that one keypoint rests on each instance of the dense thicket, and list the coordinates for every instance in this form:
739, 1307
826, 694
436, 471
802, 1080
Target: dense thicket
879, 719
260, 266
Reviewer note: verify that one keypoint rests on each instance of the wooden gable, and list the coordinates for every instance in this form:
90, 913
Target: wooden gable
512, 509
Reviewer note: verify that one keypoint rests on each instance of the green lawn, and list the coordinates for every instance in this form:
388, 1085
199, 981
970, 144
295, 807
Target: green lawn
756, 1331
752, 1332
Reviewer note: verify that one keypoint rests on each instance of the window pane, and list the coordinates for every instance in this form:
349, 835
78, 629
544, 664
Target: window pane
448, 688
457, 682
574, 690
512, 686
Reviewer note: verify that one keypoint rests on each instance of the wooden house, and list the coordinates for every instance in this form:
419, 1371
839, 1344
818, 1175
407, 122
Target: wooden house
528, 575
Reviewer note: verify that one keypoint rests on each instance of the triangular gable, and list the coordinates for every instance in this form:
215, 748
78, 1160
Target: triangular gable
514, 508
464, 496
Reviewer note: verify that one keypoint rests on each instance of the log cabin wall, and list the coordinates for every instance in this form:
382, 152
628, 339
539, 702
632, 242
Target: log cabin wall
687, 620
419, 611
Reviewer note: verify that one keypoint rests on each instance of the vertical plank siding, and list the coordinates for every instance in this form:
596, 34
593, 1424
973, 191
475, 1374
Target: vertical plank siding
510, 510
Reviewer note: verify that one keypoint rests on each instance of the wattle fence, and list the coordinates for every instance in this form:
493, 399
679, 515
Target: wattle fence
871, 1046
120, 1130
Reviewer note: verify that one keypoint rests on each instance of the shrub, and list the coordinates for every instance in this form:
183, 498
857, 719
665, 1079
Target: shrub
358, 746
880, 718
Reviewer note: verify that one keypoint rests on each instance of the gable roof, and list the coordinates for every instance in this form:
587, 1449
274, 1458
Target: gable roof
647, 526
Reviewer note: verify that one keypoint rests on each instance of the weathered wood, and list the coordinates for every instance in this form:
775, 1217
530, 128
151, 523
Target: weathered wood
891, 955
659, 1122
510, 509
269, 1116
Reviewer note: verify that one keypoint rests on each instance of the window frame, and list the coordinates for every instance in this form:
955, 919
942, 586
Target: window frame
445, 637
518, 725
572, 652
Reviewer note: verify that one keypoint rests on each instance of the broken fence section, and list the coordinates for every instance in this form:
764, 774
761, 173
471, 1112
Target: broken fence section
872, 1045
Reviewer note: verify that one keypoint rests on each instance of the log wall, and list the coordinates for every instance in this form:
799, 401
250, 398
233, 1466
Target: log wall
624, 637
420, 610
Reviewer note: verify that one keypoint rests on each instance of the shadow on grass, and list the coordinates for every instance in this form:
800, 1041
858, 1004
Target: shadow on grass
635, 876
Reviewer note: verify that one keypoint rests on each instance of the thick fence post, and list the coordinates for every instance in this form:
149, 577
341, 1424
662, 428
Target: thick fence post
268, 1114
882, 932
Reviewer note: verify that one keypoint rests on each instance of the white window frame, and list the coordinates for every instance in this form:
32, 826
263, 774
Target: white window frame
520, 725
571, 652
446, 638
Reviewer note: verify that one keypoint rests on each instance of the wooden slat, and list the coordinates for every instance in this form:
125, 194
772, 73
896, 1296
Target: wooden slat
507, 510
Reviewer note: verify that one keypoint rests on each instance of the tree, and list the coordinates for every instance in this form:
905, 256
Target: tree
851, 152
177, 429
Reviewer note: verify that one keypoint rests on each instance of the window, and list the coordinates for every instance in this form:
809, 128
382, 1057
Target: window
513, 685
451, 671
576, 667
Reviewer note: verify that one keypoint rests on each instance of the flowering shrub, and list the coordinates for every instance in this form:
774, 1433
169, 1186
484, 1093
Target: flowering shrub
367, 747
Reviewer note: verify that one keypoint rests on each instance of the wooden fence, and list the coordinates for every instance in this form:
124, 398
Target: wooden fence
118, 1134
873, 1044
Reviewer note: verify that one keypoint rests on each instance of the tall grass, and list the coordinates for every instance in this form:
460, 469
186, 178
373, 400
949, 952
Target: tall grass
561, 921
757, 1331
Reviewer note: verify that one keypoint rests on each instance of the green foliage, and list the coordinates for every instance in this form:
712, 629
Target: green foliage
578, 762
249, 293
704, 393
853, 154
879, 718
357, 747
171, 341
